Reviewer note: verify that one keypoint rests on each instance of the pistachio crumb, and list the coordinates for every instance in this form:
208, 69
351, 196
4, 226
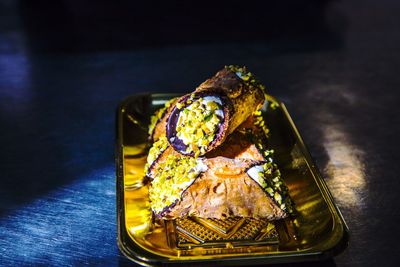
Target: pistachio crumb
198, 124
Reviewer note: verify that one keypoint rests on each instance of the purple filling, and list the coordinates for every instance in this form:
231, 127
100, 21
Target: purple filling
171, 128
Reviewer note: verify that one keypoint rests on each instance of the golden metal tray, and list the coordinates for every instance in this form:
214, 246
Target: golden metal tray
317, 232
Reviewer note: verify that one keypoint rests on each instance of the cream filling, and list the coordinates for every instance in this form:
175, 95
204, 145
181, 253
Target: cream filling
254, 173
201, 166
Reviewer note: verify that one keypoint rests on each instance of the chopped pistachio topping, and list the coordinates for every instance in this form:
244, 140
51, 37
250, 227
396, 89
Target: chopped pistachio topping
260, 137
269, 178
155, 151
246, 76
260, 122
273, 105
172, 177
158, 114
198, 123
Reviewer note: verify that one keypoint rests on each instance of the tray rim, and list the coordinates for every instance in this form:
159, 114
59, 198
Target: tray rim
137, 254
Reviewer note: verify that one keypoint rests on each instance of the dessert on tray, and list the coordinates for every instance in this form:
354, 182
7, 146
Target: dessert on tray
209, 156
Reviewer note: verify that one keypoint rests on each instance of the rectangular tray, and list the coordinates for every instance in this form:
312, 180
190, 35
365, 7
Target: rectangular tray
317, 232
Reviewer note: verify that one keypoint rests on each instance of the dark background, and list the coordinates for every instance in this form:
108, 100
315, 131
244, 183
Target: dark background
65, 66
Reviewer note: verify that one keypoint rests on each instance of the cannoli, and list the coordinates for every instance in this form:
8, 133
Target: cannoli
202, 120
220, 188
210, 156
224, 183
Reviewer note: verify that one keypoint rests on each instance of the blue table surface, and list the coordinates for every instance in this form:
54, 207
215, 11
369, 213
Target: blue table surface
57, 119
